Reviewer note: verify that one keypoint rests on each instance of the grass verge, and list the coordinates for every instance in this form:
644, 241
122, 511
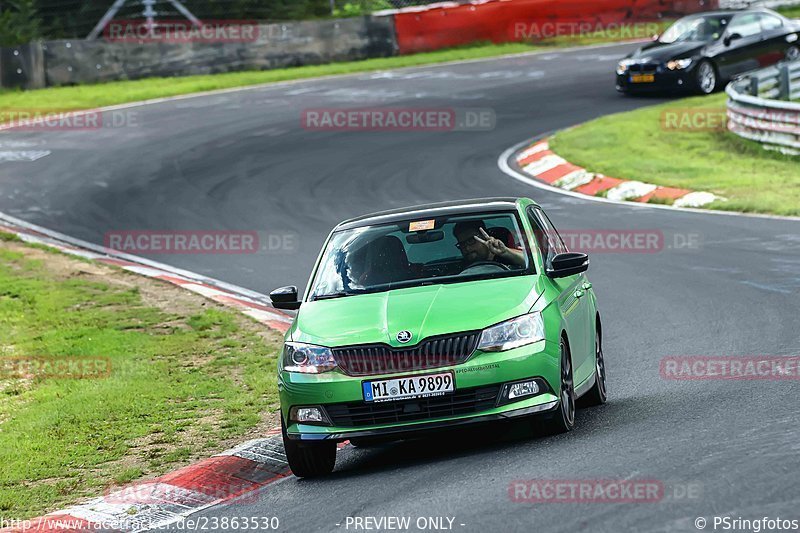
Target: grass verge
186, 378
791, 12
644, 145
120, 92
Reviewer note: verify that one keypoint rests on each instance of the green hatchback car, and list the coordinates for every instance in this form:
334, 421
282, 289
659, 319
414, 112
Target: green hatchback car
433, 317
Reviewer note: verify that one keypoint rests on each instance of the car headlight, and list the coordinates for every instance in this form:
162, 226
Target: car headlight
307, 358
679, 64
625, 65
513, 333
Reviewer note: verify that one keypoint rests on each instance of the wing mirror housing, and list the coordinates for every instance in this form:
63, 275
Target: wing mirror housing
285, 298
568, 264
732, 37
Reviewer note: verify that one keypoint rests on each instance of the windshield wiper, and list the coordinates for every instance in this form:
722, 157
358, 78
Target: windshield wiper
333, 296
340, 294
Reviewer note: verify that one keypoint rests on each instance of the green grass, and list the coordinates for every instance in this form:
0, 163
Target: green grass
635, 146
119, 92
179, 383
791, 12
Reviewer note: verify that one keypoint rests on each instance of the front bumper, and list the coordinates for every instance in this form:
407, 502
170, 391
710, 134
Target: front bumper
665, 81
419, 428
335, 389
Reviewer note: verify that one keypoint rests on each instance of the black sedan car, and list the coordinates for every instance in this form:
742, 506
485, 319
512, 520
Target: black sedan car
700, 53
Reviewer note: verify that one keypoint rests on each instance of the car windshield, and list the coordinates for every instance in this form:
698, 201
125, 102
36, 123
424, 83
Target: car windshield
421, 252
703, 29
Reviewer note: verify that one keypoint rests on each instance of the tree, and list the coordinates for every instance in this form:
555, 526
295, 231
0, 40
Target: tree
19, 22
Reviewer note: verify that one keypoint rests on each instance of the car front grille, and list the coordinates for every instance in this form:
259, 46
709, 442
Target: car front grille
436, 352
461, 402
643, 68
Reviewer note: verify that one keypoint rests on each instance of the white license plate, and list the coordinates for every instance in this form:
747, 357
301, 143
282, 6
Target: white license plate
409, 387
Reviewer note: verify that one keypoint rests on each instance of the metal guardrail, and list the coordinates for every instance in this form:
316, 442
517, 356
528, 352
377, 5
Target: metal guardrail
763, 106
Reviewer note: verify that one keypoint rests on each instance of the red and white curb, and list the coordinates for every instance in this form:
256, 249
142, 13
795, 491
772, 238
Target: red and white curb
539, 162
250, 303
235, 475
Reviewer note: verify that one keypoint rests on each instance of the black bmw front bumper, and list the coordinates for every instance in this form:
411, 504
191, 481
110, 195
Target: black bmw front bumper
663, 80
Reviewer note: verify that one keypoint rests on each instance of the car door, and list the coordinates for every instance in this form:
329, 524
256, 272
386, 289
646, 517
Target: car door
571, 301
775, 43
743, 46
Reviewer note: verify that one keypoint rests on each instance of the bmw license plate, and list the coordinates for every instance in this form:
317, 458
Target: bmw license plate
409, 387
643, 78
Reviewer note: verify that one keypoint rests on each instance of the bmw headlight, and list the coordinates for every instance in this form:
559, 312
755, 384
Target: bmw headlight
307, 358
679, 64
625, 64
513, 333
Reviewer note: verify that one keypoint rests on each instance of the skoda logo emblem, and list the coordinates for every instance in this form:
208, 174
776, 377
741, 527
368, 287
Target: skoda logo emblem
404, 336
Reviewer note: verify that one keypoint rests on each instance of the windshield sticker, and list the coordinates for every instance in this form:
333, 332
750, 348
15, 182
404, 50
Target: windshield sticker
422, 225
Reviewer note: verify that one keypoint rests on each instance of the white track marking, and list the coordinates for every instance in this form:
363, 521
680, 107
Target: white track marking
24, 156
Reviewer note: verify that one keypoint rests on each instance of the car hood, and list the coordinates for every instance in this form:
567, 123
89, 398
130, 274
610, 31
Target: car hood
665, 52
424, 311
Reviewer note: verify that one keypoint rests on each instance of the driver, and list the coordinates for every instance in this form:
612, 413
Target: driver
476, 246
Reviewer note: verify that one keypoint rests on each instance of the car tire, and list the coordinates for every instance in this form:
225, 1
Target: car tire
793, 53
309, 459
563, 420
706, 77
598, 394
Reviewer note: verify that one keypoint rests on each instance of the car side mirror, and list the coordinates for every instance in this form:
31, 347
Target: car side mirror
285, 298
732, 37
568, 264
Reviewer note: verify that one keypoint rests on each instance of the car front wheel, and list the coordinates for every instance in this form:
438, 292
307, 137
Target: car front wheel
309, 459
597, 395
706, 77
563, 419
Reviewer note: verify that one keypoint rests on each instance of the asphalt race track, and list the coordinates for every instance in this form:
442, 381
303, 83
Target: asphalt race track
721, 285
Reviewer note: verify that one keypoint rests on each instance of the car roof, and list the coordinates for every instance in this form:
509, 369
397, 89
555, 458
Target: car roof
433, 210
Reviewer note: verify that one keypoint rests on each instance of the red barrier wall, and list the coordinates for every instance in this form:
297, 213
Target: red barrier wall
498, 21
